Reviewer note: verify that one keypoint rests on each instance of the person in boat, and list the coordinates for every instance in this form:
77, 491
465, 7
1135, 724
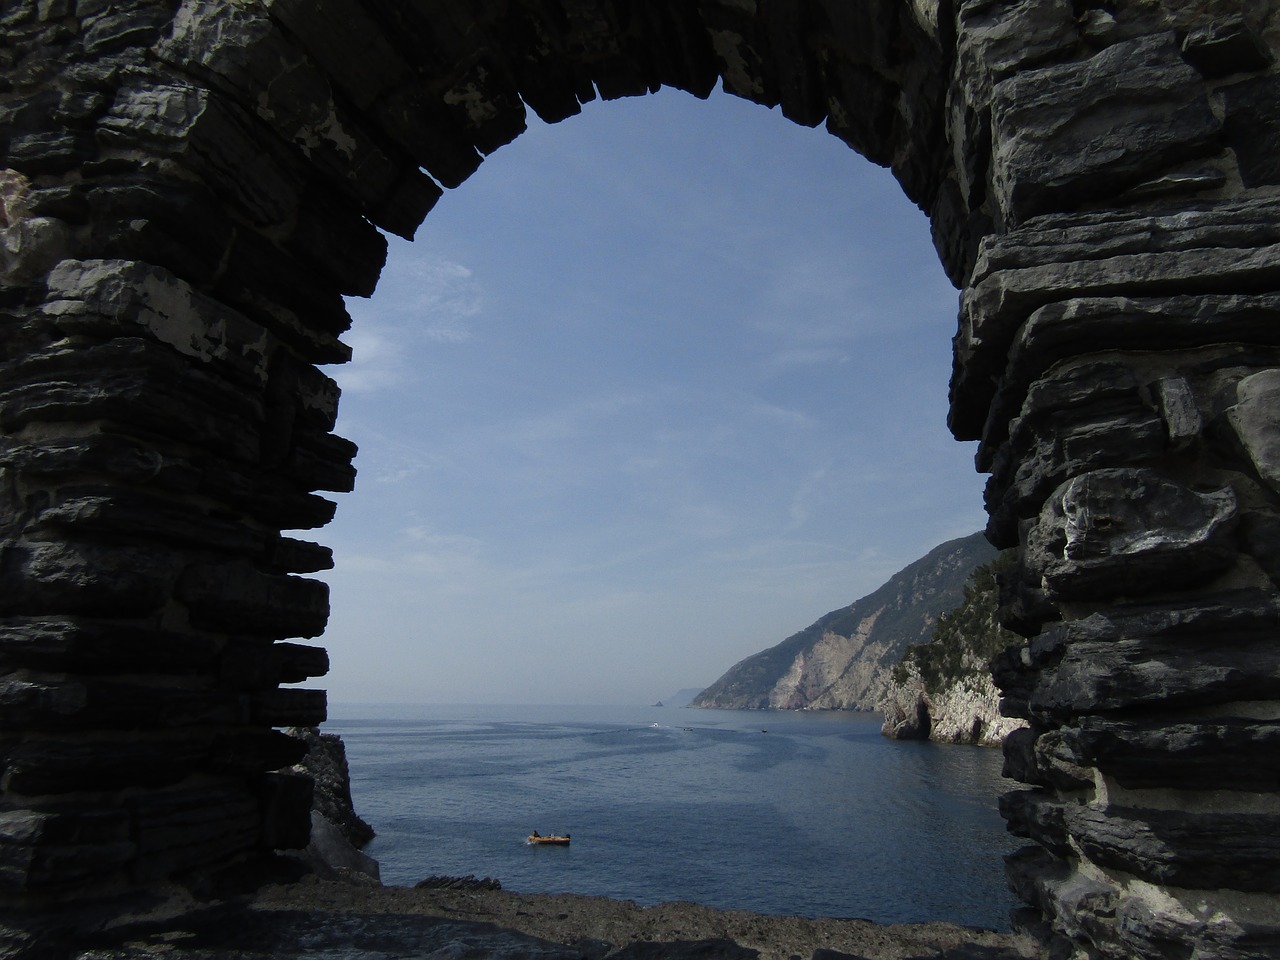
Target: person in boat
536, 834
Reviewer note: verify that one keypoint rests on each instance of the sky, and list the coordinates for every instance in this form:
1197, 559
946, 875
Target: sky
656, 388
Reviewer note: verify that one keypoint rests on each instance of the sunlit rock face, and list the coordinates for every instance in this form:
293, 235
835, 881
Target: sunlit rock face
845, 660
190, 187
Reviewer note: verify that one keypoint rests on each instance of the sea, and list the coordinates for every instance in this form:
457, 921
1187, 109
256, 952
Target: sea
802, 813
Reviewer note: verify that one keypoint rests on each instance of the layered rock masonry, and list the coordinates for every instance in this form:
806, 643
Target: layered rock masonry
190, 187
1115, 345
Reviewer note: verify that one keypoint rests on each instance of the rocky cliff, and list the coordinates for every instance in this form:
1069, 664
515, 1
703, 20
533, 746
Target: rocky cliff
943, 690
337, 832
967, 711
844, 660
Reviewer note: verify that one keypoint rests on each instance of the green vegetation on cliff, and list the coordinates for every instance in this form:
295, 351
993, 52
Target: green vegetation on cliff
942, 690
843, 660
964, 639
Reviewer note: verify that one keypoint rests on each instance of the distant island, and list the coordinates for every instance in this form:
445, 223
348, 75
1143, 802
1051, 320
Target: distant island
877, 654
681, 698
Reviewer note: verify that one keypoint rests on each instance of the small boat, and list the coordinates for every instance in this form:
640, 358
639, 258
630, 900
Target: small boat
553, 840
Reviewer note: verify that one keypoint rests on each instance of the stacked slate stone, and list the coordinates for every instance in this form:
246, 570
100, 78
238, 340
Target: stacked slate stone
190, 187
163, 421
1119, 358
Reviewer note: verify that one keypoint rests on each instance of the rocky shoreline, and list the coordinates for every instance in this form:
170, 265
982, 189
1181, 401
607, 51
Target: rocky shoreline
313, 918
963, 713
327, 903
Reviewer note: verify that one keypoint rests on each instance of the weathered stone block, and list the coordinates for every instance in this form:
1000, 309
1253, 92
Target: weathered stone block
34, 702
1192, 850
30, 246
260, 666
121, 25
137, 382
683, 57
801, 95
867, 130
1072, 327
1037, 757
185, 829
322, 462
602, 44
287, 555
429, 133
1260, 539
290, 707
1067, 134
1127, 672
1225, 249
1084, 415
1036, 815
139, 518
58, 703
918, 165
1256, 420
146, 219
1224, 46
51, 849
265, 495
137, 298
215, 136
340, 242
238, 597
489, 107
1186, 652
1125, 531
330, 30
85, 646
1231, 753
1253, 128
59, 577
45, 766
301, 309
46, 153
544, 73
240, 752
997, 38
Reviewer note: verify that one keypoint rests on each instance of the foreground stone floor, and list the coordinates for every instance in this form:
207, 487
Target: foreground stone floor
317, 919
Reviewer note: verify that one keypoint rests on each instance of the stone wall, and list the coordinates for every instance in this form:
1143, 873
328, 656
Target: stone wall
190, 187
1115, 357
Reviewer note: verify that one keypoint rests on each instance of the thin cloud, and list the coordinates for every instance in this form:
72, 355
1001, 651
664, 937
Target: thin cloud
423, 300
802, 357
644, 390
779, 416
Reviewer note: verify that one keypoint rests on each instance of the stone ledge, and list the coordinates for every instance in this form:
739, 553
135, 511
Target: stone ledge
313, 918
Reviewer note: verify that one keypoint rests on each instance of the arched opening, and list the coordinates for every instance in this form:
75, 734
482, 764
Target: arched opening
656, 387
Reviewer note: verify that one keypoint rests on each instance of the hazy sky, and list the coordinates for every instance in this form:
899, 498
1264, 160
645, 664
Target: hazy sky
656, 388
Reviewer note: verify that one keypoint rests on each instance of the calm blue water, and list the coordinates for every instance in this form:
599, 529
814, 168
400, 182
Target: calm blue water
810, 814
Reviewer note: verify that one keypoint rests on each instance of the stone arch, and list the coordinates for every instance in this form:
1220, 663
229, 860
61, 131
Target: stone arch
190, 188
